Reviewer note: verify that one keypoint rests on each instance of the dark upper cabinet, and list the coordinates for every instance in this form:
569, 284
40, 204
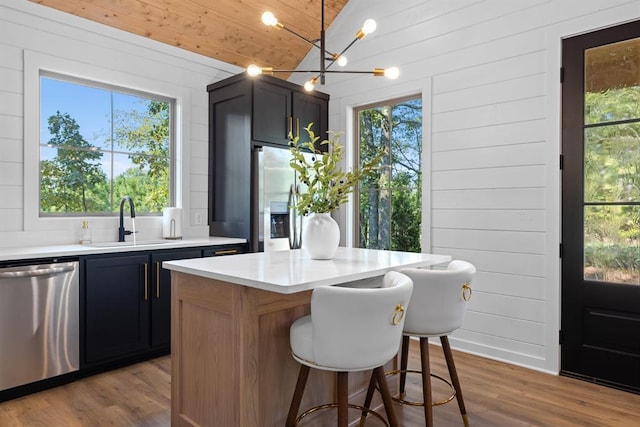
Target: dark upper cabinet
229, 159
245, 113
272, 116
281, 113
310, 109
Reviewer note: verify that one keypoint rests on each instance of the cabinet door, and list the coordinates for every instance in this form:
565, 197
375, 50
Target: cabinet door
160, 295
310, 109
230, 155
272, 119
116, 307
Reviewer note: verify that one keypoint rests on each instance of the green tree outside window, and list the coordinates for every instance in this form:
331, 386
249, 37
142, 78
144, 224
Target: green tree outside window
104, 145
390, 202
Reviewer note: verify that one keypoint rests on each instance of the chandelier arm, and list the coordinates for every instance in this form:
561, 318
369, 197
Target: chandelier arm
348, 46
336, 56
311, 42
326, 71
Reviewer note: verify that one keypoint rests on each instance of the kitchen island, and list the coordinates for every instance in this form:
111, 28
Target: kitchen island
231, 362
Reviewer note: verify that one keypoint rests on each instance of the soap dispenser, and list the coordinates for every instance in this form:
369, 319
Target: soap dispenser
85, 233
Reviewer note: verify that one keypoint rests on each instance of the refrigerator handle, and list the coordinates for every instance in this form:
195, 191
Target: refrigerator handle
257, 226
298, 220
293, 235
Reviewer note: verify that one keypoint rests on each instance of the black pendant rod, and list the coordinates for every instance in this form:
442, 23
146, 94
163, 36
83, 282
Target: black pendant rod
322, 44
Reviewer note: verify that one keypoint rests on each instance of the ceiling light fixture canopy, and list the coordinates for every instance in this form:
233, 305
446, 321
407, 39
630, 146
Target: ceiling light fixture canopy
327, 59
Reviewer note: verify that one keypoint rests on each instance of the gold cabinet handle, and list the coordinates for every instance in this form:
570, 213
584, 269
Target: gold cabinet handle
225, 252
290, 133
298, 127
157, 280
146, 281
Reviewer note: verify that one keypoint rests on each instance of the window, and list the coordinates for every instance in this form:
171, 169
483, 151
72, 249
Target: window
390, 203
99, 143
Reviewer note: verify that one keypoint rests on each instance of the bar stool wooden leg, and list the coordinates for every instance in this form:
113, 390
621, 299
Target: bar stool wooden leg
454, 377
297, 395
368, 398
404, 358
426, 381
343, 399
386, 396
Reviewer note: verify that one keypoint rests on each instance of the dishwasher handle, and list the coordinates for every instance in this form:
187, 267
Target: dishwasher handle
35, 273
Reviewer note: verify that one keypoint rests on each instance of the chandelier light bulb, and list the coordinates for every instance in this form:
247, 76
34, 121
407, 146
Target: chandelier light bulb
341, 60
392, 73
369, 26
310, 85
253, 70
268, 18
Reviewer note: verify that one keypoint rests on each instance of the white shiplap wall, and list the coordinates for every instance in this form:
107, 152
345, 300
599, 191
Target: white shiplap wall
488, 72
30, 33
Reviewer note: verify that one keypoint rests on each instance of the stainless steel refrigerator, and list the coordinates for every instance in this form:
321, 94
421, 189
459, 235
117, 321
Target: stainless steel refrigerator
277, 226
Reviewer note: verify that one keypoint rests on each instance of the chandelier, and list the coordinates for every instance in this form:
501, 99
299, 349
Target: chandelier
327, 58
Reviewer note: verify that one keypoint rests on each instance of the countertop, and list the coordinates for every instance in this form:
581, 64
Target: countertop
32, 252
293, 271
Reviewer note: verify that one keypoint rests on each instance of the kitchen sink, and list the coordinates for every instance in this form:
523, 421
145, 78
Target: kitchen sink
127, 244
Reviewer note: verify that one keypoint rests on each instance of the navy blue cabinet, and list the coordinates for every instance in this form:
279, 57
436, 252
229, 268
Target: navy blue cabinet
125, 304
160, 296
272, 121
116, 307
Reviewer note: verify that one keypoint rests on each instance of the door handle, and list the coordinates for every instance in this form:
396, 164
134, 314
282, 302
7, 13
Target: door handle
290, 133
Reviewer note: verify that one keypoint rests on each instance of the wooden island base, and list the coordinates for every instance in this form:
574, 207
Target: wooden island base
231, 360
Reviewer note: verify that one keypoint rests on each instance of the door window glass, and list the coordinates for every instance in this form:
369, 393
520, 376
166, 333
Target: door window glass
612, 163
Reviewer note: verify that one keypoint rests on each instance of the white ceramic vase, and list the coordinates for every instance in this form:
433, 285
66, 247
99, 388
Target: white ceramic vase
320, 235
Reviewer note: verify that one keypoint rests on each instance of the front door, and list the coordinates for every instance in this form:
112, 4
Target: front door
601, 206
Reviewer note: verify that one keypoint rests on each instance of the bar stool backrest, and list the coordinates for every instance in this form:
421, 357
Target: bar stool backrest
438, 300
359, 328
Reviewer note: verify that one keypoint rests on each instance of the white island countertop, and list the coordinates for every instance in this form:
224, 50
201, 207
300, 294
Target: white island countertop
291, 271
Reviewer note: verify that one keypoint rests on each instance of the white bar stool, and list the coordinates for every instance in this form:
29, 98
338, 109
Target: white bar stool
350, 329
437, 309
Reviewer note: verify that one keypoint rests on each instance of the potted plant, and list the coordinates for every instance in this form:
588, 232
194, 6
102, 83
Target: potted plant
323, 188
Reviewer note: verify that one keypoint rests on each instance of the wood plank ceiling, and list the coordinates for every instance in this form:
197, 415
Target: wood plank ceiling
227, 30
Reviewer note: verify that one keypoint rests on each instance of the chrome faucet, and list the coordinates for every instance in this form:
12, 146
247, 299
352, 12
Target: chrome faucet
132, 210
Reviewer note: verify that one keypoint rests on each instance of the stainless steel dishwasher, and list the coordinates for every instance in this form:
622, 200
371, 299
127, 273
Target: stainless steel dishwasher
39, 318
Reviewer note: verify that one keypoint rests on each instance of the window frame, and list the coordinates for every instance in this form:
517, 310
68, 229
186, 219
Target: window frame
136, 80
123, 90
355, 211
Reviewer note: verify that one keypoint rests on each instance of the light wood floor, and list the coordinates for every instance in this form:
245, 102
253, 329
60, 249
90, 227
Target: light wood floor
496, 394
